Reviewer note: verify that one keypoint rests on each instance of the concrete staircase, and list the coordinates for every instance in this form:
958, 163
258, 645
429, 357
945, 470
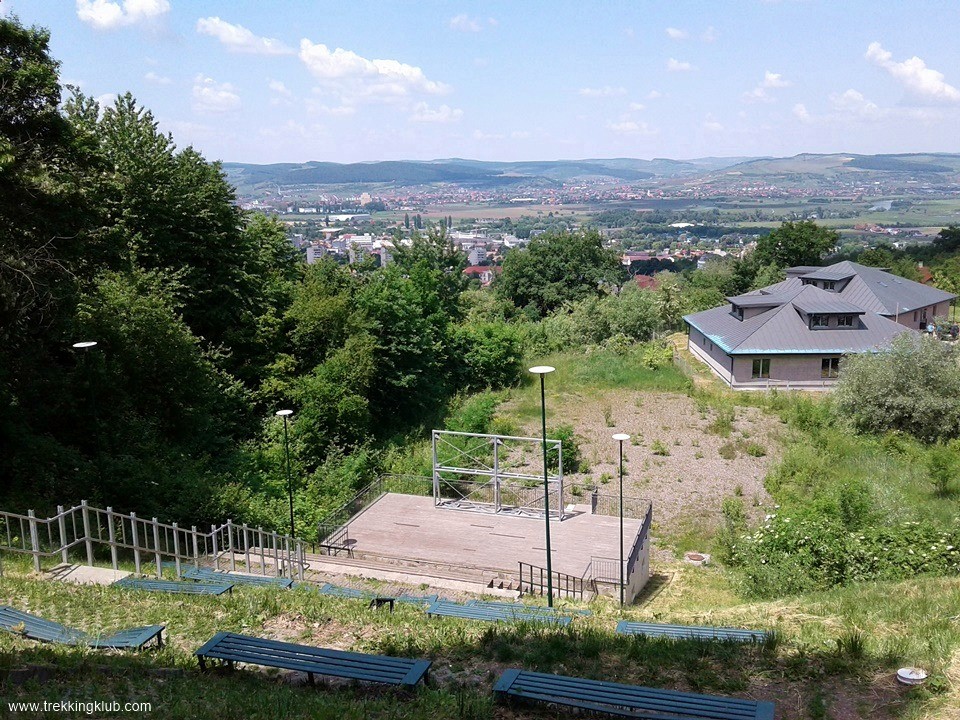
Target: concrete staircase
443, 576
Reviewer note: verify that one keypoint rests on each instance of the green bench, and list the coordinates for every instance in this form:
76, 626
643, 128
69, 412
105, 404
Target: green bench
236, 578
174, 586
690, 632
521, 606
35, 628
494, 613
620, 700
232, 648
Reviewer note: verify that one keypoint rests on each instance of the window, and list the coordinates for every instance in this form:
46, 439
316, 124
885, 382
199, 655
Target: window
914, 315
845, 321
761, 368
829, 285
829, 367
818, 321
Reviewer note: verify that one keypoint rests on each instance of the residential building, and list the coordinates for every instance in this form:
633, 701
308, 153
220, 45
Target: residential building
794, 333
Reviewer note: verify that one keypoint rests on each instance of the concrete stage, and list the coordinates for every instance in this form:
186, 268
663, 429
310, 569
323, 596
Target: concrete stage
410, 526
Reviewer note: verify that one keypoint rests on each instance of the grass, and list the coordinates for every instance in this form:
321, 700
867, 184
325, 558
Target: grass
851, 635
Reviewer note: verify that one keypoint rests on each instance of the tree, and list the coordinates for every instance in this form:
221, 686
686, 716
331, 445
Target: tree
948, 239
557, 268
796, 243
910, 387
406, 220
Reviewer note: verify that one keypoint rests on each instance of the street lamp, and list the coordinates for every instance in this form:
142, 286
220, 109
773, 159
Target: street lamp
286, 452
620, 437
86, 346
542, 370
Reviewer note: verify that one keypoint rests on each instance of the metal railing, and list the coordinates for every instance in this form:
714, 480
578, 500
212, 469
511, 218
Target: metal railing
609, 504
533, 579
607, 570
149, 543
638, 543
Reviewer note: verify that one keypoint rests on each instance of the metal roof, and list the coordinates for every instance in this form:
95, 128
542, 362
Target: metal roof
880, 291
758, 300
833, 306
783, 330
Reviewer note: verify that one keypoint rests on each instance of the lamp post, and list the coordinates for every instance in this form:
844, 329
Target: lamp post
543, 370
86, 346
620, 437
286, 452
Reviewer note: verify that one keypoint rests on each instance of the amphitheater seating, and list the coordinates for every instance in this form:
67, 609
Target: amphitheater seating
36, 628
690, 632
232, 648
620, 700
494, 613
238, 579
174, 586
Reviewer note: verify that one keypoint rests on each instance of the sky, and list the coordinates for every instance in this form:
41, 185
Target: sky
300, 80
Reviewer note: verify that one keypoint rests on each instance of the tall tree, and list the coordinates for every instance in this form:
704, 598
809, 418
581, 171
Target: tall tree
796, 243
559, 267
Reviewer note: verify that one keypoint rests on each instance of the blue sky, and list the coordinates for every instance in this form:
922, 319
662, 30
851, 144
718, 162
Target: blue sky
299, 80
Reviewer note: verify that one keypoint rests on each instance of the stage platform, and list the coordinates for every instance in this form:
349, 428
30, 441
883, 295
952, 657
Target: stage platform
411, 526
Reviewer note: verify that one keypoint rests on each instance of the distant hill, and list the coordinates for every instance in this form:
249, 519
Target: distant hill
836, 164
250, 178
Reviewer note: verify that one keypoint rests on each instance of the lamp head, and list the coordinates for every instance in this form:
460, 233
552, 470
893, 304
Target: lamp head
621, 437
84, 344
542, 369
284, 413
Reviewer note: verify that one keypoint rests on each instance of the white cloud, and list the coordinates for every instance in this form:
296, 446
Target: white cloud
443, 114
674, 65
238, 39
107, 15
521, 134
637, 106
631, 127
280, 88
212, 97
924, 82
465, 23
801, 113
629, 32
605, 91
156, 79
710, 35
106, 100
357, 78
711, 124
771, 80
317, 108
654, 95
852, 104
480, 135
677, 34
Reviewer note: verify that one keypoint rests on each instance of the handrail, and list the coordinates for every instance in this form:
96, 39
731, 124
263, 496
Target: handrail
148, 539
533, 577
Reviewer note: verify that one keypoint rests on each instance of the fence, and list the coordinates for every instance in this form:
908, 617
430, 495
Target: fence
609, 504
533, 579
149, 543
603, 569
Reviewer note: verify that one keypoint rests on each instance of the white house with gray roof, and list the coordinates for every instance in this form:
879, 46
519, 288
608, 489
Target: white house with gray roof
794, 333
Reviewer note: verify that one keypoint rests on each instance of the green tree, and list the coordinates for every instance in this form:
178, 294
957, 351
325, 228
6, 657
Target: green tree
557, 268
910, 387
948, 239
796, 243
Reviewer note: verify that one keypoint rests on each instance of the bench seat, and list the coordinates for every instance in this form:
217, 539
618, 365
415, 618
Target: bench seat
236, 578
690, 632
174, 586
621, 700
234, 648
521, 606
36, 628
493, 613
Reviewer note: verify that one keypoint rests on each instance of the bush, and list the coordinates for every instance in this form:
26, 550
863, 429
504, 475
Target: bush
572, 461
728, 451
492, 355
659, 448
941, 463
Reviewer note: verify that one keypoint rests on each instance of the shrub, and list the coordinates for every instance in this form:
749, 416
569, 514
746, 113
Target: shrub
659, 448
941, 463
570, 444
755, 450
728, 451
722, 424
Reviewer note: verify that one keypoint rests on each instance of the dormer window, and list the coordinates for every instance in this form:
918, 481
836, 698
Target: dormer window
819, 321
738, 311
845, 321
829, 285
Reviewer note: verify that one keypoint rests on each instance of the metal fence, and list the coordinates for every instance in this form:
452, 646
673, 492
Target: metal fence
609, 504
604, 569
87, 532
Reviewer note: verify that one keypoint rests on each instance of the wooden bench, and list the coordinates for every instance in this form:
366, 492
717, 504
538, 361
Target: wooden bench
492, 613
690, 632
521, 606
232, 648
621, 700
236, 578
36, 628
174, 586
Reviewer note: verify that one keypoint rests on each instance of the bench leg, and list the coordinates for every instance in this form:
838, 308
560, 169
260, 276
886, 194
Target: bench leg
310, 678
203, 663
160, 639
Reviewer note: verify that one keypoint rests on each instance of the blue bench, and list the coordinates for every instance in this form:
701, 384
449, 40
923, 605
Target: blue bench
491, 613
232, 648
35, 628
418, 599
690, 632
343, 592
237, 579
174, 586
521, 606
626, 700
